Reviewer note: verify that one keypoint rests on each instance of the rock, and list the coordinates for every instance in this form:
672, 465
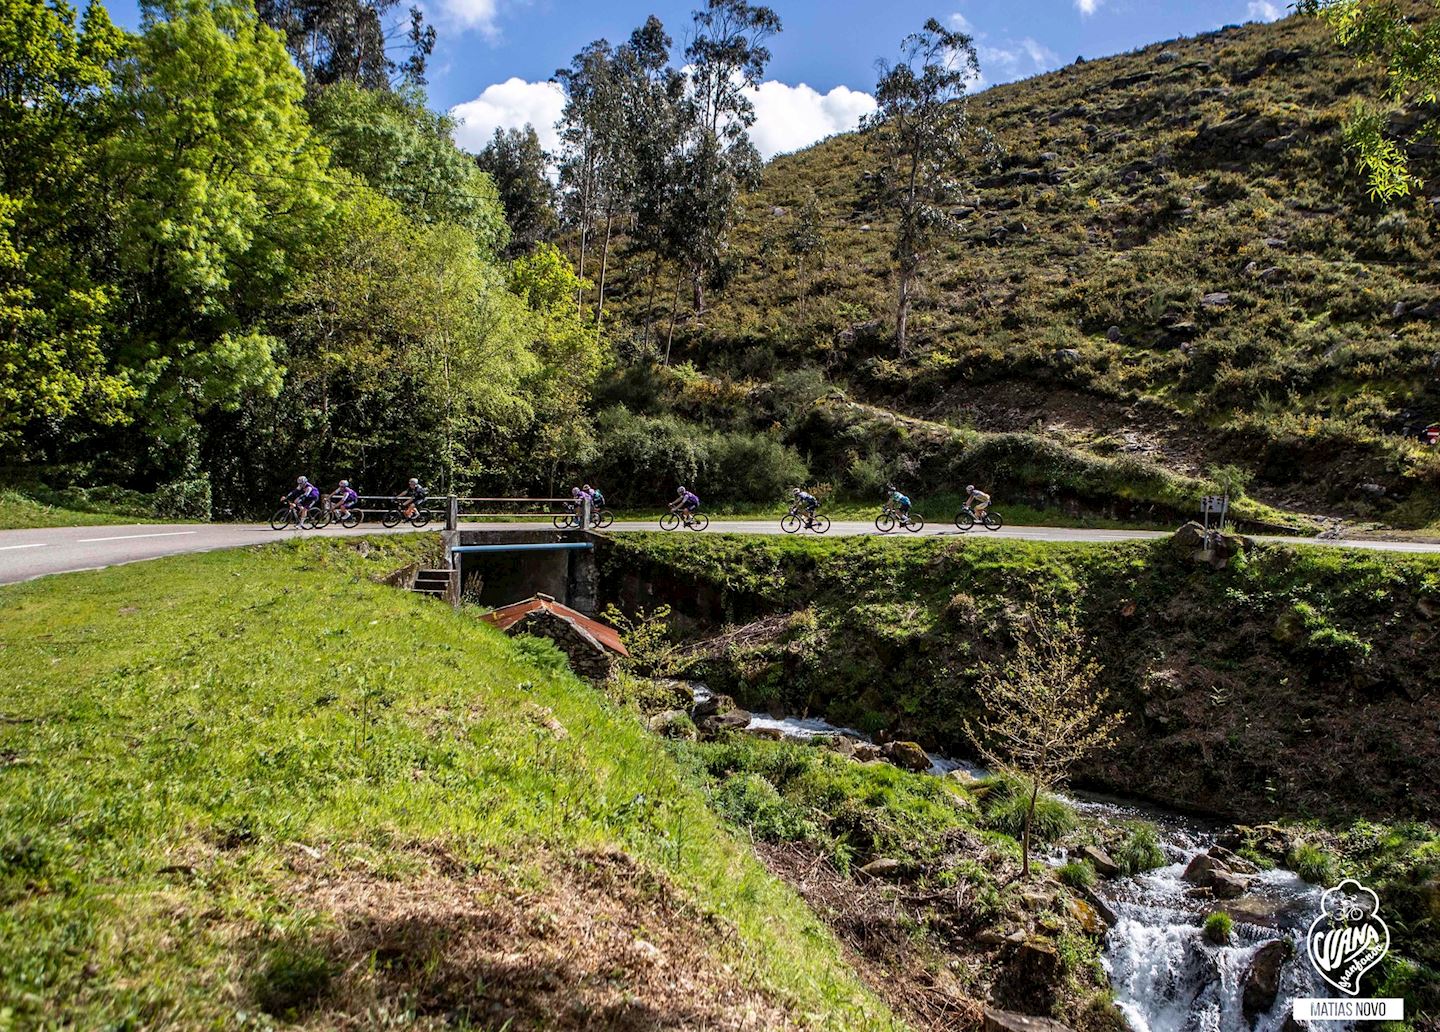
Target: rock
1201, 870
1371, 490
672, 724
1100, 905
1166, 57
1113, 334
1067, 356
1233, 861
1049, 157
1276, 242
710, 706
836, 743
962, 776
647, 953
1188, 538
1010, 1021
883, 868
773, 734
867, 753
990, 937
1217, 299
1254, 910
1228, 884
1262, 979
1086, 916
907, 755
1101, 861
1032, 975
719, 723
1398, 312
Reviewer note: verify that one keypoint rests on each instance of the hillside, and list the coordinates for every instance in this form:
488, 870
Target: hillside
1171, 263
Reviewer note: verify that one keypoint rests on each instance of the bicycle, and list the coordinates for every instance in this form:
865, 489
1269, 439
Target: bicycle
570, 519
289, 516
332, 513
965, 519
692, 521
793, 520
889, 519
408, 512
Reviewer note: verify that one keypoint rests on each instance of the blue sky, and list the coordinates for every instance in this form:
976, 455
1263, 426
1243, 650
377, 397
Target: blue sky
494, 56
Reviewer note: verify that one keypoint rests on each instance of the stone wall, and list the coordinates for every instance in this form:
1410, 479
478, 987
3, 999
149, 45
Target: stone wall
587, 659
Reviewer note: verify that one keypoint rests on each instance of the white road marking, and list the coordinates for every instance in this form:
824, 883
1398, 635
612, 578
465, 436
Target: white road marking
38, 544
131, 537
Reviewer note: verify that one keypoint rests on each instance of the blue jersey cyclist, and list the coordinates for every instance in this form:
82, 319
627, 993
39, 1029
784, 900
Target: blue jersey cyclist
303, 496
597, 497
899, 502
805, 500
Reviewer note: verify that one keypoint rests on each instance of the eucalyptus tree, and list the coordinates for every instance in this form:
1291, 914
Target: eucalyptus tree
519, 167
371, 43
922, 127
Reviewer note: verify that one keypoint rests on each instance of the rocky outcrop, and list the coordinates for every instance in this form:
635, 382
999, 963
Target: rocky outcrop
1262, 978
718, 714
1010, 1021
1033, 971
1100, 860
1214, 550
1211, 871
906, 755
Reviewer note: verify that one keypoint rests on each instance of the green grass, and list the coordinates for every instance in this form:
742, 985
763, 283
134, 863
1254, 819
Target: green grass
1218, 927
20, 511
172, 732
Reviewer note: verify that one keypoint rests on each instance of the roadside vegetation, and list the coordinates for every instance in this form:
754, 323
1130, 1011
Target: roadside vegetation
259, 783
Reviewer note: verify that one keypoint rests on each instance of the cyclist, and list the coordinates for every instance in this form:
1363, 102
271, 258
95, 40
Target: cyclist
900, 503
303, 497
807, 501
686, 501
411, 497
597, 497
977, 501
343, 497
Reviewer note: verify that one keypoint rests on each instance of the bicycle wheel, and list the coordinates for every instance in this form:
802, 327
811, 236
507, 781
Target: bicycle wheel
282, 519
916, 523
669, 521
994, 521
820, 524
317, 519
964, 520
603, 519
391, 518
699, 521
420, 519
350, 520
790, 524
885, 523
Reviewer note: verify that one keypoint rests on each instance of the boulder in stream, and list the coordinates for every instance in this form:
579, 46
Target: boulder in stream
1228, 884
719, 723
672, 724
1100, 860
1262, 978
907, 755
997, 1020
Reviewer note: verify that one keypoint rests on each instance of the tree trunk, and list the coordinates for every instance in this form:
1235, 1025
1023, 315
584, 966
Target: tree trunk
697, 288
604, 263
654, 275
1029, 819
674, 308
902, 309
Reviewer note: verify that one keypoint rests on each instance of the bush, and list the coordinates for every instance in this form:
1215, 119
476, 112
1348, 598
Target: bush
185, 499
754, 467
1218, 927
1078, 874
1140, 851
1006, 802
752, 802
1312, 863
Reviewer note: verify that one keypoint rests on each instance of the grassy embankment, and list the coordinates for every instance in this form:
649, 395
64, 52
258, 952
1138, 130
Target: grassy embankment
256, 785
20, 510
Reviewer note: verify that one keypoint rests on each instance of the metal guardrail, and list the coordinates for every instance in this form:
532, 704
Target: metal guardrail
454, 508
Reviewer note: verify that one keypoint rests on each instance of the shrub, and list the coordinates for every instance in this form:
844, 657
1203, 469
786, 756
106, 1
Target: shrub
1140, 851
754, 467
1078, 874
1312, 863
1005, 805
186, 499
752, 802
1218, 927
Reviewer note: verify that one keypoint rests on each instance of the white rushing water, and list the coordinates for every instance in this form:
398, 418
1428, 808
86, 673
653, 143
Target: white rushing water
1166, 976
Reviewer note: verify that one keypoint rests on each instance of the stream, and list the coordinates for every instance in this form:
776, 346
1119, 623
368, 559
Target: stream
1166, 976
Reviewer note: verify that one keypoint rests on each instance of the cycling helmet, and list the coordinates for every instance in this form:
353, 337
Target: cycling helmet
414, 482
303, 480
682, 489
970, 487
344, 483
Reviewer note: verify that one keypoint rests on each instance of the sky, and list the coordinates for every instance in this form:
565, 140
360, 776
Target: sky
494, 58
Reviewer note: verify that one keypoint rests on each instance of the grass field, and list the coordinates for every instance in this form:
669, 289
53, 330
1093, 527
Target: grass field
256, 786
20, 512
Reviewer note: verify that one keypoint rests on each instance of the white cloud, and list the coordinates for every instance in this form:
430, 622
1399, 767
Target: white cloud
1087, 6
467, 15
1013, 59
1265, 11
960, 23
788, 118
510, 105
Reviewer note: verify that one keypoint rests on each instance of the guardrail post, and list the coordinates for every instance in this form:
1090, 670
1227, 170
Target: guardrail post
452, 514
585, 504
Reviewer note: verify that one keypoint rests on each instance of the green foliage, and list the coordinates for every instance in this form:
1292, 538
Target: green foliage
1139, 851
186, 499
1078, 874
1006, 801
1312, 863
1218, 926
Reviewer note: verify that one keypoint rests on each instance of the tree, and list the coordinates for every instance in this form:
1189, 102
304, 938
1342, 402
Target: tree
518, 166
1041, 714
807, 239
921, 125
726, 57
1410, 50
407, 152
56, 96
352, 40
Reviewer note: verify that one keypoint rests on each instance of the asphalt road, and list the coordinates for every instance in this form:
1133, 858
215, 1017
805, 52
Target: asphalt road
27, 554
